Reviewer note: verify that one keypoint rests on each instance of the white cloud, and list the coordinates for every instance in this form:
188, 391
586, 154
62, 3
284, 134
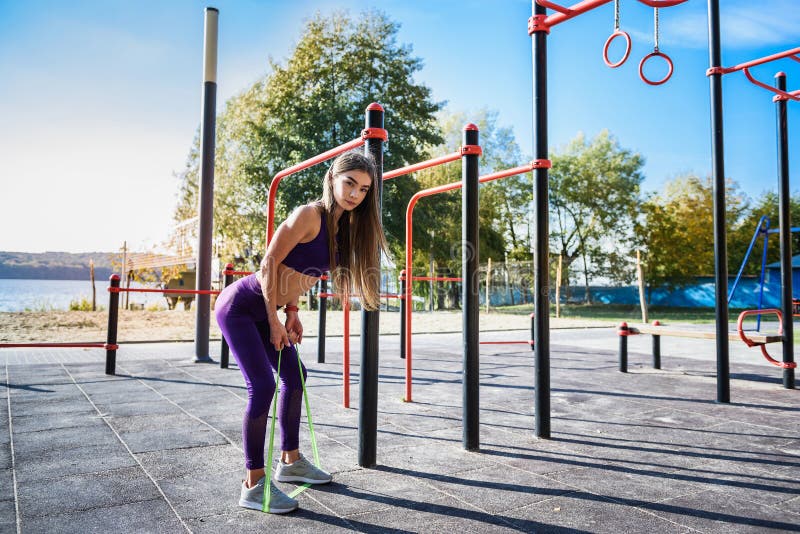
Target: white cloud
743, 24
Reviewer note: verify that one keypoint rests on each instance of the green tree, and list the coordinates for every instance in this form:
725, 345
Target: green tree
677, 229
313, 102
740, 237
437, 219
594, 197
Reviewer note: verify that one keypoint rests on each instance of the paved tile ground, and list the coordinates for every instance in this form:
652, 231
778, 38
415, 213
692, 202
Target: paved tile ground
157, 448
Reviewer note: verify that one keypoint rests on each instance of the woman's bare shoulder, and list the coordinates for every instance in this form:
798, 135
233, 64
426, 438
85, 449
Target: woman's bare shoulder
305, 220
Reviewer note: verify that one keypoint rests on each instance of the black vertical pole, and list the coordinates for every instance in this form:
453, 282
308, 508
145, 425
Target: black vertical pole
623, 347
225, 351
718, 177
368, 386
403, 305
323, 310
656, 352
206, 202
784, 214
541, 297
113, 317
470, 291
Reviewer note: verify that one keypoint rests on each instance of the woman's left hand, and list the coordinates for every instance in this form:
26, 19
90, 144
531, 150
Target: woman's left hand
294, 327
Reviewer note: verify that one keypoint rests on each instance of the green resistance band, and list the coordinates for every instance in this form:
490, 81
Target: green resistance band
301, 489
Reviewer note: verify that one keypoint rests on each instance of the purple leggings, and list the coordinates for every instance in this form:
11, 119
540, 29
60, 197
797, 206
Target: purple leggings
242, 317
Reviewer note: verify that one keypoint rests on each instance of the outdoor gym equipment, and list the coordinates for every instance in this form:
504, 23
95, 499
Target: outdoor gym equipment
617, 33
782, 96
539, 26
763, 230
372, 138
407, 279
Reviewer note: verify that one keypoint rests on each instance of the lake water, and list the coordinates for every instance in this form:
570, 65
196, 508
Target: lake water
40, 295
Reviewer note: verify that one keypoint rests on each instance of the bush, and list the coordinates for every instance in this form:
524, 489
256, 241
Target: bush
83, 304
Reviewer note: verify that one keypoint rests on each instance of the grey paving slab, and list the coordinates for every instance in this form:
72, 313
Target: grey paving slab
52, 421
311, 518
153, 516
173, 463
191, 434
39, 465
581, 512
6, 485
82, 492
717, 511
64, 438
647, 451
5, 455
8, 516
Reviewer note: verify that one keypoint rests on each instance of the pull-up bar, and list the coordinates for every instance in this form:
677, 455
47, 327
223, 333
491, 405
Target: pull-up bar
746, 66
566, 13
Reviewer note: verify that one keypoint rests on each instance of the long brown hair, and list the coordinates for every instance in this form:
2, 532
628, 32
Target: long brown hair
359, 238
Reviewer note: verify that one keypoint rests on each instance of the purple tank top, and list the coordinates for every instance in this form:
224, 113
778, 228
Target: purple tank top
312, 258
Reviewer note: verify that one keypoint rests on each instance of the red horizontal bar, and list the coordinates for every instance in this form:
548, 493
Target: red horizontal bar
237, 273
61, 345
182, 291
422, 165
566, 13
273, 186
753, 63
662, 3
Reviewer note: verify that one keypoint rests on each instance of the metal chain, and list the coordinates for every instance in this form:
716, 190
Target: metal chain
616, 15
655, 16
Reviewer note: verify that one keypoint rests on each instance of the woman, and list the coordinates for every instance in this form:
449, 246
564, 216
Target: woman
341, 233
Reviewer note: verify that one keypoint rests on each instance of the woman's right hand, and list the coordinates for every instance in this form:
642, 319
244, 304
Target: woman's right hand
278, 335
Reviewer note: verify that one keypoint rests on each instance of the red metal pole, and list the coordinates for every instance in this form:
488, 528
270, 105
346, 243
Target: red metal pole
421, 165
273, 186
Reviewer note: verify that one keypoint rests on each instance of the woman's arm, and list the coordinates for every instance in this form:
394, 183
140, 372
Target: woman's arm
301, 226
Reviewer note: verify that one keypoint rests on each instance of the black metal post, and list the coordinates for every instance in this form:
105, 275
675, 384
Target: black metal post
323, 311
470, 288
533, 331
623, 347
718, 177
206, 203
368, 386
113, 319
224, 355
784, 214
656, 352
541, 252
403, 305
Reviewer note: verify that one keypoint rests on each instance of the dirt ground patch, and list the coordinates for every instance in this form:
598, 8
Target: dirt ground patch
179, 325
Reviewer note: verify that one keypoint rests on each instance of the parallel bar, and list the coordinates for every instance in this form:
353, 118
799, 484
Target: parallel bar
718, 177
422, 165
310, 162
784, 215
759, 61
568, 13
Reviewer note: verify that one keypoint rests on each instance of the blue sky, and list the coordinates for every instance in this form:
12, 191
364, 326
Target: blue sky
100, 100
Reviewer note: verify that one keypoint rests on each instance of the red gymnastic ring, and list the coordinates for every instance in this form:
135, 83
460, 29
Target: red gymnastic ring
617, 33
644, 60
